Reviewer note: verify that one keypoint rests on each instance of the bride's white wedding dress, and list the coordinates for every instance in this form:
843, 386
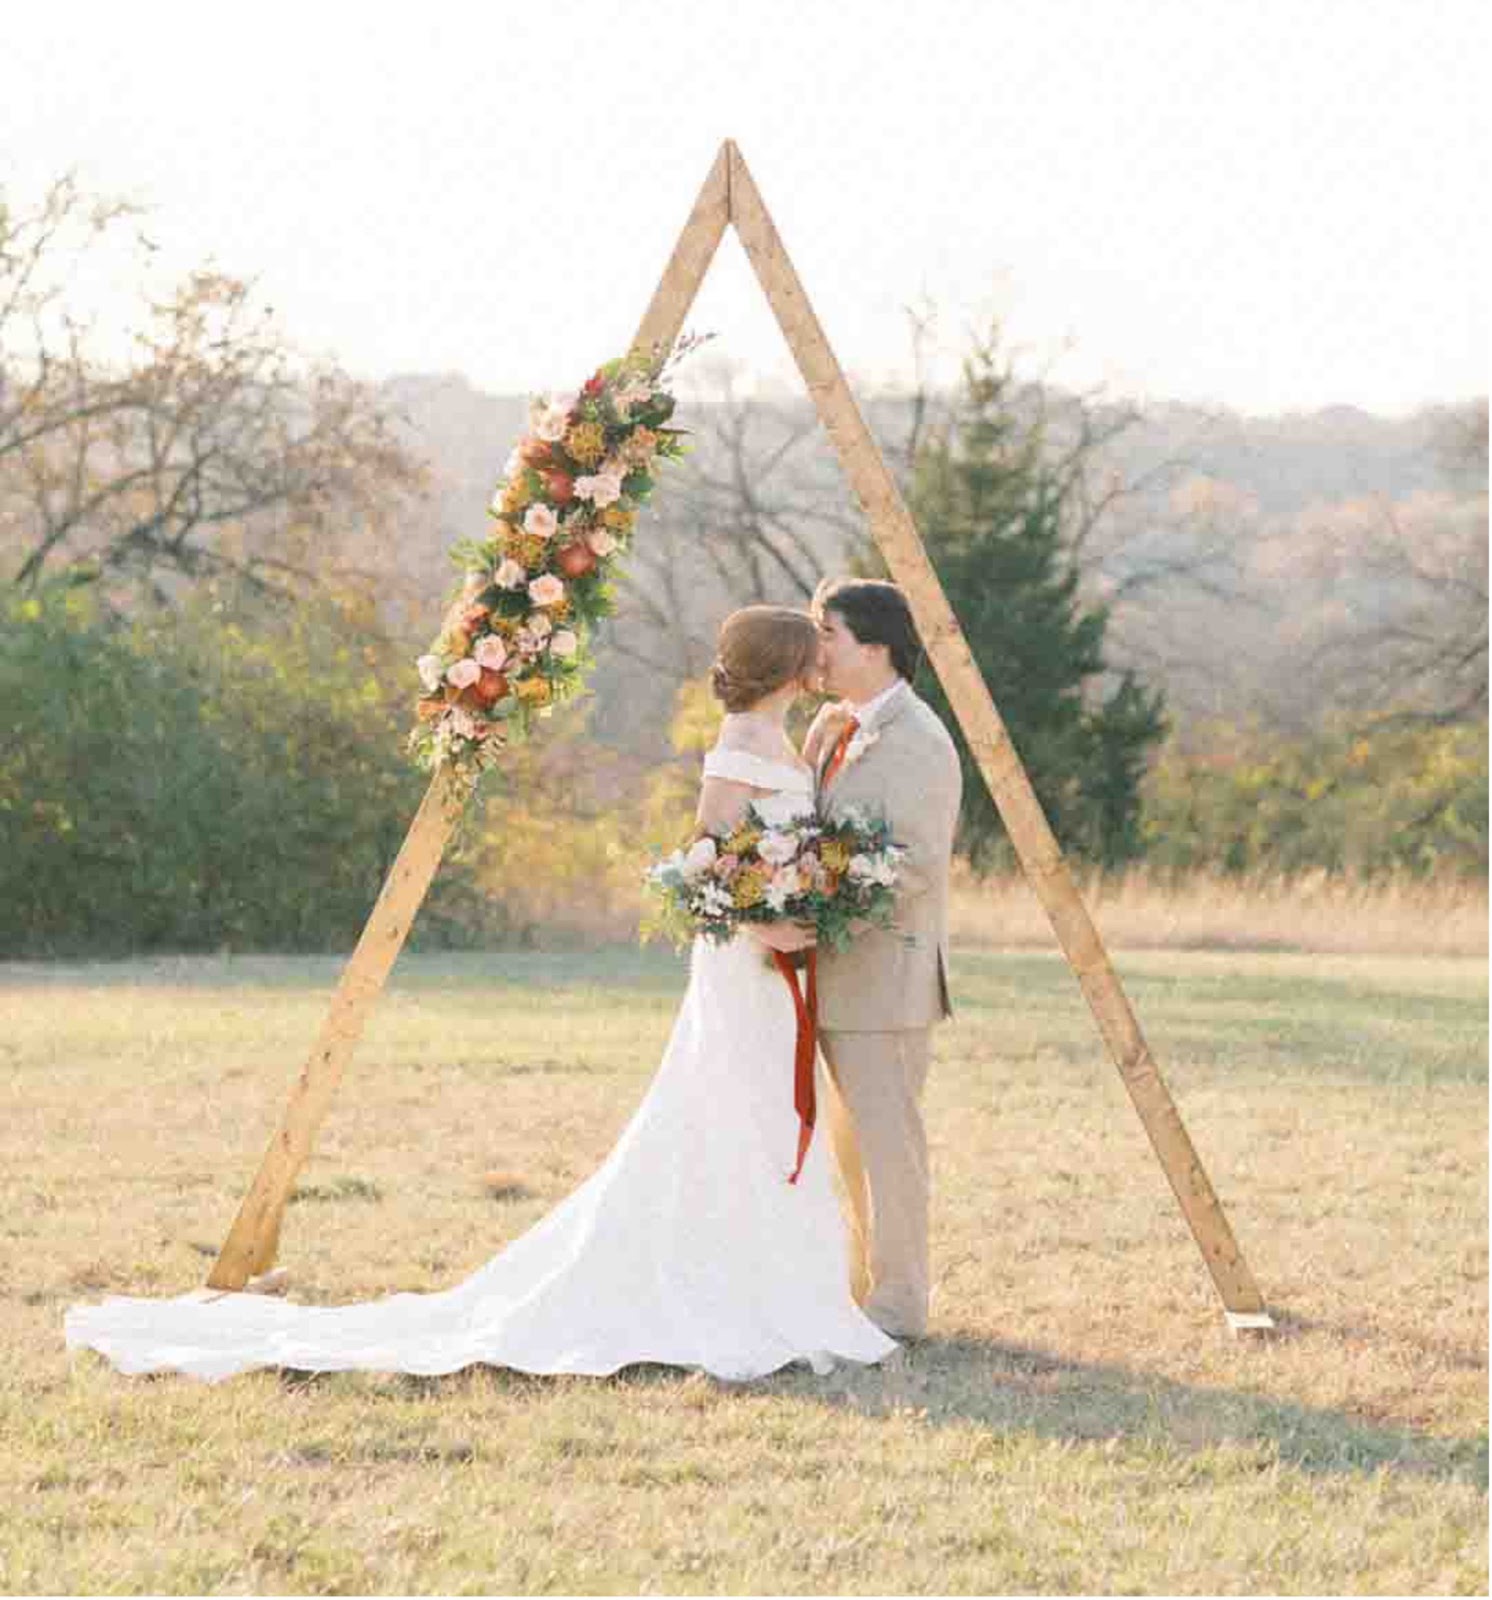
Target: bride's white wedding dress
688, 1247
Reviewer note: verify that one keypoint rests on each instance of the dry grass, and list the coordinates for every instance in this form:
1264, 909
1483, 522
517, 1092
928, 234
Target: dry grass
1319, 912
1080, 1422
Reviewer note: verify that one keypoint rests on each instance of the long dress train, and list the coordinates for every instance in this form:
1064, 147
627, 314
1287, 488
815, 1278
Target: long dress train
687, 1247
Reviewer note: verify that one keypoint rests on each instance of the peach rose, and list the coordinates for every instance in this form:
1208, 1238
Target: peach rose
490, 652
546, 590
540, 521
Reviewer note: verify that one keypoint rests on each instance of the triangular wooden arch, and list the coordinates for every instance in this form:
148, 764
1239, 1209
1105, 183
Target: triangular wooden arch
730, 196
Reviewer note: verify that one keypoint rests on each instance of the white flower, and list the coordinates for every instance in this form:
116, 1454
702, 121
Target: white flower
784, 884
550, 419
546, 590
429, 670
779, 810
860, 742
777, 848
601, 488
539, 624
490, 652
699, 858
877, 868
463, 673
601, 540
509, 574
514, 464
714, 900
776, 895
462, 723
540, 521
564, 644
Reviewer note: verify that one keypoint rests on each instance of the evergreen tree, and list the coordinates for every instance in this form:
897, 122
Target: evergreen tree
992, 516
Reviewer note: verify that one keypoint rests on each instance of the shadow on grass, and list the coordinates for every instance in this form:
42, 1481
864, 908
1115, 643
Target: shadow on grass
1014, 1390
1009, 1389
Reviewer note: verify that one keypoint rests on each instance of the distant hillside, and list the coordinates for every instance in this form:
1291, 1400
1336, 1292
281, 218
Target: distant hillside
1239, 557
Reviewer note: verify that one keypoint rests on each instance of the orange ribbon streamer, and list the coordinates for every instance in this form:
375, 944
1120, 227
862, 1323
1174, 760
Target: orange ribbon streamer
806, 1004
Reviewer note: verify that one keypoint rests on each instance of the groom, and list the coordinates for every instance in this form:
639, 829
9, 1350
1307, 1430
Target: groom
883, 749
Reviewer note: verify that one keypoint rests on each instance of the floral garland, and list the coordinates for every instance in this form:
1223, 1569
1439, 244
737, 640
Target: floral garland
514, 644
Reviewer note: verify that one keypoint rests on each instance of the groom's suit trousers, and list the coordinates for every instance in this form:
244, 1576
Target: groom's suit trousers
874, 1116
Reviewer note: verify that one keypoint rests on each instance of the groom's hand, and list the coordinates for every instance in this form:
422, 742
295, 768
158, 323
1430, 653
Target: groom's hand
786, 936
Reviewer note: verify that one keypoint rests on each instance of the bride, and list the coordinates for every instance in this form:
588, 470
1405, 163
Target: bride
688, 1246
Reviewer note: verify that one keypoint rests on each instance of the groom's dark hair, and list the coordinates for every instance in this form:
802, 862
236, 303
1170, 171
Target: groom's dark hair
876, 613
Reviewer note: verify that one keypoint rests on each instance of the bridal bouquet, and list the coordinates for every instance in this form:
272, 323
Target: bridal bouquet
513, 643
780, 863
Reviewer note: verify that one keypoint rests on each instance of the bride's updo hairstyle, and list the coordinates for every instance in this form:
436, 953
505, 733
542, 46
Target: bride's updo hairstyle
760, 649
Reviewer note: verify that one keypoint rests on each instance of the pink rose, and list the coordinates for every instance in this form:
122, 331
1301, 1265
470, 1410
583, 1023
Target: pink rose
629, 395
462, 674
601, 540
564, 644
490, 652
541, 522
601, 489
546, 591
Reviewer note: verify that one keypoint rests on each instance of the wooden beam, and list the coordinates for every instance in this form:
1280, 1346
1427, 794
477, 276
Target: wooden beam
1040, 855
691, 258
255, 1236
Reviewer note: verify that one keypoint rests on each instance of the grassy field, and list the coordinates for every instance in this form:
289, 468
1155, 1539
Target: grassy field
1079, 1422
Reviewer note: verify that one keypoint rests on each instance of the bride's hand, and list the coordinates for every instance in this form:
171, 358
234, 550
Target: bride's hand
825, 728
786, 936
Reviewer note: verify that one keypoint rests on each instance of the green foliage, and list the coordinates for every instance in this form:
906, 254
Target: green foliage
992, 516
1399, 799
197, 778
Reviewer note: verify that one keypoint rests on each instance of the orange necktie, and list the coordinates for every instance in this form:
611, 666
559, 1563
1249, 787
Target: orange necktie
836, 758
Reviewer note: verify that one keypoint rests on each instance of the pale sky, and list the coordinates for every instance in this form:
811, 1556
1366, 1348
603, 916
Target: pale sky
1266, 205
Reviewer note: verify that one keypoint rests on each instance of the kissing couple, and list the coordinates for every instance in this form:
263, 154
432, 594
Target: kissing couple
687, 1247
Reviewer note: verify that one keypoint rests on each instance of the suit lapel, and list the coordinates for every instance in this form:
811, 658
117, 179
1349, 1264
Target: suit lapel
890, 710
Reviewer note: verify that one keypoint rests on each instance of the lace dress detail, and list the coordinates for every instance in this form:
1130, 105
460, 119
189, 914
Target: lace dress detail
687, 1247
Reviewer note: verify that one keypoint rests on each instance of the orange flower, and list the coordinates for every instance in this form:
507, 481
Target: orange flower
586, 443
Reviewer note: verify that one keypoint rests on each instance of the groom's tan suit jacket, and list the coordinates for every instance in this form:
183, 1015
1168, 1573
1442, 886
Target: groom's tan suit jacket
878, 1001
908, 772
